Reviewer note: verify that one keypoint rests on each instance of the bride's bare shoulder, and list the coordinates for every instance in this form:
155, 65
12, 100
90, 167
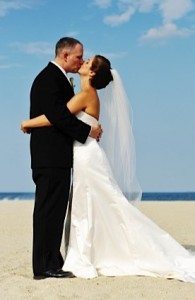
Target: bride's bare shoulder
88, 94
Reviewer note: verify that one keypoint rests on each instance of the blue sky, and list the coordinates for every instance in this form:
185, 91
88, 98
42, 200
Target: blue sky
152, 45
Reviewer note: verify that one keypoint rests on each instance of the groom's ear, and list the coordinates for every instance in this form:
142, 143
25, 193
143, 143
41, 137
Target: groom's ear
65, 55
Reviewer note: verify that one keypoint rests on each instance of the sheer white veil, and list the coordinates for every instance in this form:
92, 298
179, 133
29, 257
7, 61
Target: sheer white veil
118, 140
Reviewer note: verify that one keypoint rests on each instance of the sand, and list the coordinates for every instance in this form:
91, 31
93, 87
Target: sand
16, 280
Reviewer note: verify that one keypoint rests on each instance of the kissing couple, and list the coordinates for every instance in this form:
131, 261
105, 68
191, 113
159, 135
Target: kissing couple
108, 235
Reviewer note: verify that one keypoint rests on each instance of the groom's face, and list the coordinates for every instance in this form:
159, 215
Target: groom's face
75, 59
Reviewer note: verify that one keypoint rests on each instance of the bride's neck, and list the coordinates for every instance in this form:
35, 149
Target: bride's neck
85, 83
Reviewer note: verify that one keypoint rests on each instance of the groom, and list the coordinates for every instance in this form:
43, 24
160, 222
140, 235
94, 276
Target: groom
52, 155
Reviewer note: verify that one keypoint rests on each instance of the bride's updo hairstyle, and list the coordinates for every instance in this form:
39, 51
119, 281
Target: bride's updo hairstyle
102, 68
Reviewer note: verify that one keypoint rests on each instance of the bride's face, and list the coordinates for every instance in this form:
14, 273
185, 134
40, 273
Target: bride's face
86, 66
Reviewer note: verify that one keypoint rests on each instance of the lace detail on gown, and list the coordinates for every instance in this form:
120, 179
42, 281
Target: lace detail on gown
111, 237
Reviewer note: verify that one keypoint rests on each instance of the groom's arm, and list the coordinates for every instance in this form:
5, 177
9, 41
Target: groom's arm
52, 104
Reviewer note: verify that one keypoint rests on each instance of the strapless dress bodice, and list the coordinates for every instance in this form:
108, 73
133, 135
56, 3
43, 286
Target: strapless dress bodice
86, 118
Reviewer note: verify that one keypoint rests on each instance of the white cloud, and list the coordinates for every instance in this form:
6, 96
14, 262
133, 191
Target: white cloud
126, 9
2, 57
7, 5
35, 48
147, 5
5, 66
172, 11
110, 55
166, 31
102, 3
72, 33
9, 66
116, 20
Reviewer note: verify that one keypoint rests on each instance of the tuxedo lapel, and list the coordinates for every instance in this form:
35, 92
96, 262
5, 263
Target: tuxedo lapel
59, 73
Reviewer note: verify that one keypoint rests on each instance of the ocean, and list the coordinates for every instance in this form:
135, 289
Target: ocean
146, 196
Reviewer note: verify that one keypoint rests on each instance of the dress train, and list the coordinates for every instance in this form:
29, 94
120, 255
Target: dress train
108, 235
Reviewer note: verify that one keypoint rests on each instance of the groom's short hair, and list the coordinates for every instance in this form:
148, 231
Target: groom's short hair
65, 43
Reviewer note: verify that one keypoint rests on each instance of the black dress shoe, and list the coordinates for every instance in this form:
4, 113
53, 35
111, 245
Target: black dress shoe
54, 274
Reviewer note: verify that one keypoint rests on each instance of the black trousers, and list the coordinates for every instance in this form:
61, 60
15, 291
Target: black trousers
51, 199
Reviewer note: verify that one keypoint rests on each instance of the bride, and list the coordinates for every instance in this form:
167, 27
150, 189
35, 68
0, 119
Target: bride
108, 235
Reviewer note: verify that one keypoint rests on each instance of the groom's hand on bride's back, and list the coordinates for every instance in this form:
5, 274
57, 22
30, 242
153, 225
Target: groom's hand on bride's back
96, 132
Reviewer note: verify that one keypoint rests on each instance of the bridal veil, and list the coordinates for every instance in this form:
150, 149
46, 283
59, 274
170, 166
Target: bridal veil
118, 140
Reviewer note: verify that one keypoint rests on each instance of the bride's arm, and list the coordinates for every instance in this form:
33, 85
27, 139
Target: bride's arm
40, 121
75, 105
78, 102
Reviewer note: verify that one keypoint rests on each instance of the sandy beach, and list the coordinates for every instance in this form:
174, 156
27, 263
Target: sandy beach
16, 280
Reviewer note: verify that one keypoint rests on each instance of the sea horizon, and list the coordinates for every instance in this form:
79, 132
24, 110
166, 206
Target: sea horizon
146, 196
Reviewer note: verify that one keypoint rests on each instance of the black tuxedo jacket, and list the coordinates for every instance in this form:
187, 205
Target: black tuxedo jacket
52, 147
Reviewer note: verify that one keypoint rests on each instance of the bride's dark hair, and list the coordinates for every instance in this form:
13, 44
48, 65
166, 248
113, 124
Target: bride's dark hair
102, 68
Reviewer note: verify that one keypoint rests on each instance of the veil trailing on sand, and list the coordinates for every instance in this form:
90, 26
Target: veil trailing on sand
117, 140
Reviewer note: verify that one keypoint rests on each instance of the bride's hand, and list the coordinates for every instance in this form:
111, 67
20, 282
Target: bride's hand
24, 127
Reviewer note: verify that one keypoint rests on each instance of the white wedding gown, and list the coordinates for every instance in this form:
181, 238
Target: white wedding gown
111, 237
